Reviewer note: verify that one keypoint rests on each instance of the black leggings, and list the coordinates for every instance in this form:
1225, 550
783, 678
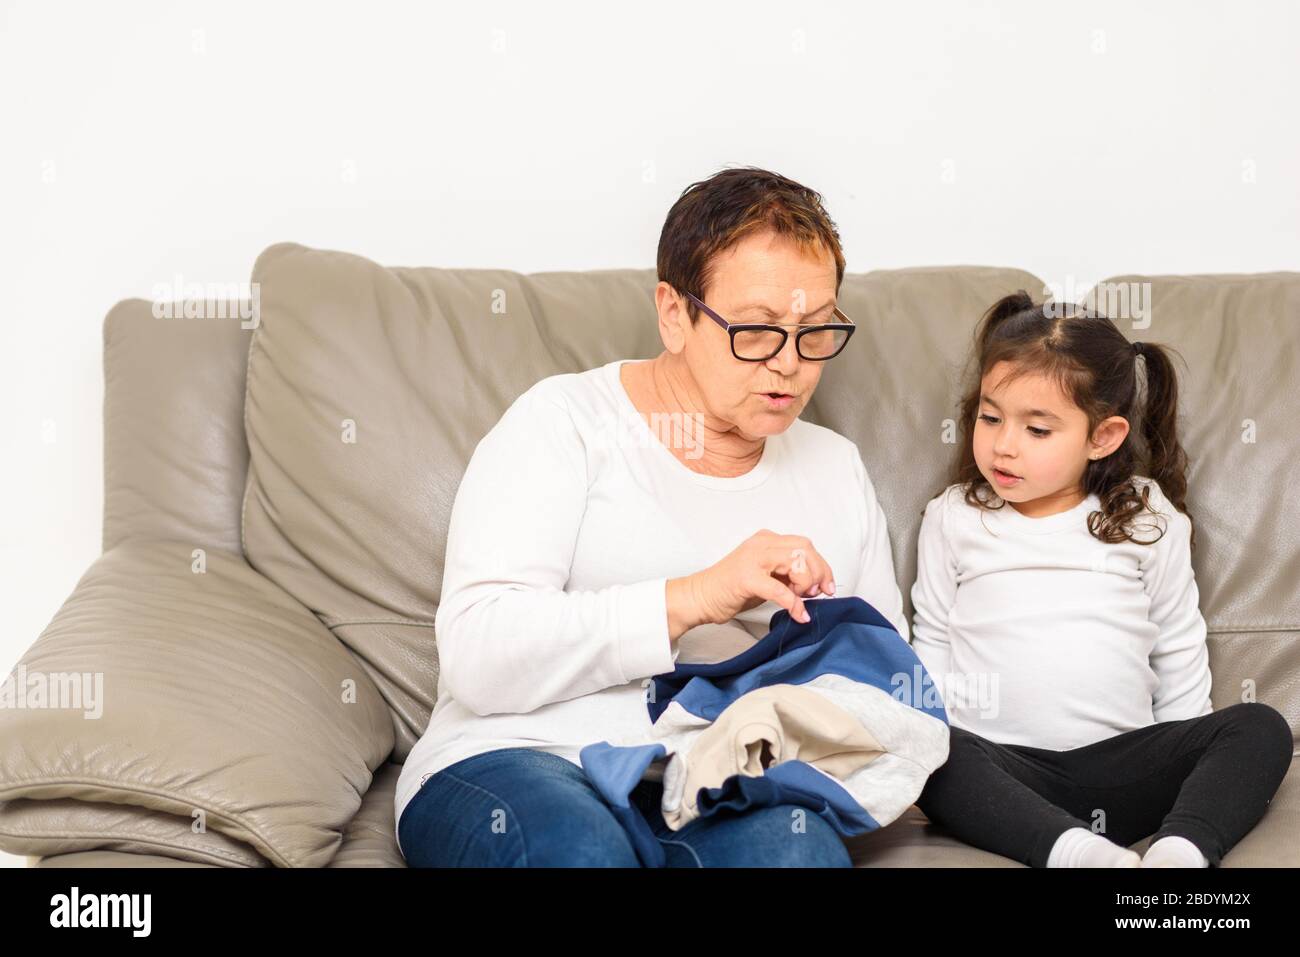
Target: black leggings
1208, 779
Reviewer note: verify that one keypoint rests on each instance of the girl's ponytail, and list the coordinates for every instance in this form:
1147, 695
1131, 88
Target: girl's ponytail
1006, 307
1166, 459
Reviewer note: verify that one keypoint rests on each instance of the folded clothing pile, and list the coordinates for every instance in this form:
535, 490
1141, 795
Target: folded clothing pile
837, 715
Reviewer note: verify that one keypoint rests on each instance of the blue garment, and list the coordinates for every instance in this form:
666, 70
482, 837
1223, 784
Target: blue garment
848, 652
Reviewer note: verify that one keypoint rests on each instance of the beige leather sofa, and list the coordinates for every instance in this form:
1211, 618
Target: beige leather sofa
276, 504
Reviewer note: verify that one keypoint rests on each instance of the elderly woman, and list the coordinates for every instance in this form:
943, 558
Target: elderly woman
585, 542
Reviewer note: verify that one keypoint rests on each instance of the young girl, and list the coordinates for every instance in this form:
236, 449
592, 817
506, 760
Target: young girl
1057, 613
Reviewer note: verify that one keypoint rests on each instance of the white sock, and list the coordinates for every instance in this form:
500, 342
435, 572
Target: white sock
1174, 851
1080, 847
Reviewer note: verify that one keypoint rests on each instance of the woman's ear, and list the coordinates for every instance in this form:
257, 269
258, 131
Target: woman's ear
1108, 436
674, 319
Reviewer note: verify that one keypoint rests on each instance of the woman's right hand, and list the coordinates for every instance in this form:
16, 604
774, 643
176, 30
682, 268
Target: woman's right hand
765, 567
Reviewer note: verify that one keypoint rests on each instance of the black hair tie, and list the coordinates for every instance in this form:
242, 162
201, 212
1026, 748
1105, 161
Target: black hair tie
1137, 348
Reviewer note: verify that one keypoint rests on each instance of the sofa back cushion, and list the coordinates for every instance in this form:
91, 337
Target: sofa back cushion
175, 457
368, 389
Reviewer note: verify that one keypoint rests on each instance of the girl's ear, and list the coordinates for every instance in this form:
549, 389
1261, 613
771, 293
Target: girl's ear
1108, 436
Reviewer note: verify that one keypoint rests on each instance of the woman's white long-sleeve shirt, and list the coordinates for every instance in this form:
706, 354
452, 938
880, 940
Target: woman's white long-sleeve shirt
1038, 634
570, 519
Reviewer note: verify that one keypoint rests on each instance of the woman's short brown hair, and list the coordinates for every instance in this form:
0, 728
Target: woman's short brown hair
714, 214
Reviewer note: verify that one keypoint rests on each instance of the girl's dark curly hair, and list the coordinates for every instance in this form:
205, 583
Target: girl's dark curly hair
1095, 366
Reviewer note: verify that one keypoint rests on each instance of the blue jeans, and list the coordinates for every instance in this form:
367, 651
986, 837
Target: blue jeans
521, 807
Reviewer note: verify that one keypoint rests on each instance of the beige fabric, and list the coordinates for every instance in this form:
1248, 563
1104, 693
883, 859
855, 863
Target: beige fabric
710, 643
763, 727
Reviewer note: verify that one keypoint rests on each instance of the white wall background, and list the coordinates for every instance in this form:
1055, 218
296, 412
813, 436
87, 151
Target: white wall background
142, 140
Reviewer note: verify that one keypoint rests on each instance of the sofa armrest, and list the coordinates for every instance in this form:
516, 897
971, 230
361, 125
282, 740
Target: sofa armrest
192, 689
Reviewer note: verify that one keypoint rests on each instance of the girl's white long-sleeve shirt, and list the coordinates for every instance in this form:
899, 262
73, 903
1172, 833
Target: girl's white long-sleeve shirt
570, 519
1037, 633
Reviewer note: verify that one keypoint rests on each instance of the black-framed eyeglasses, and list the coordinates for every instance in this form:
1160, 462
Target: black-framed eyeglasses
760, 341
